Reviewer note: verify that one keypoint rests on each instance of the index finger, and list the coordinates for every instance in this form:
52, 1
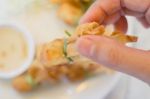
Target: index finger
100, 10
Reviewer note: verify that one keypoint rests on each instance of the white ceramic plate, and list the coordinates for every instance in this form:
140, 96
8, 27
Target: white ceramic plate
44, 26
93, 88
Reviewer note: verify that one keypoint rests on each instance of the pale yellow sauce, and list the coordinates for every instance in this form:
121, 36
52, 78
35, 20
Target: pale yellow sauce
13, 49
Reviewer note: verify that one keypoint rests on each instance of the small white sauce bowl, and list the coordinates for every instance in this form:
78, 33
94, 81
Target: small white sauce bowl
31, 50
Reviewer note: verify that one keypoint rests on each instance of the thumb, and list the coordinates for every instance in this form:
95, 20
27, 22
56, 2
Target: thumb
115, 55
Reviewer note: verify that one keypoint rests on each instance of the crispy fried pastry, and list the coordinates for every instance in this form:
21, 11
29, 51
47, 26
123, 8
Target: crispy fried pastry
58, 59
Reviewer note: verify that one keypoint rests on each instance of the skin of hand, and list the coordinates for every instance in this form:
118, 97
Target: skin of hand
109, 52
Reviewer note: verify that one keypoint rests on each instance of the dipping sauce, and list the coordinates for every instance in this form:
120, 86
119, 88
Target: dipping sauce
13, 49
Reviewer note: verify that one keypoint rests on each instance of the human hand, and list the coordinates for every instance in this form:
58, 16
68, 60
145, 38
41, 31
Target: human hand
114, 11
109, 52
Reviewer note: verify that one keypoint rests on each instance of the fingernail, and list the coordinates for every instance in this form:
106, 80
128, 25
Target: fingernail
84, 46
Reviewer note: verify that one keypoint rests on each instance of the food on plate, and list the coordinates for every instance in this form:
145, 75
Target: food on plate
13, 49
58, 59
35, 75
21, 84
96, 29
70, 11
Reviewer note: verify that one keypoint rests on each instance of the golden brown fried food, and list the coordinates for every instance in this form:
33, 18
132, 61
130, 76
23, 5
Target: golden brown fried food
69, 13
54, 74
74, 2
121, 37
75, 73
55, 63
58, 59
56, 1
52, 53
38, 74
96, 29
90, 29
35, 75
20, 84
60, 1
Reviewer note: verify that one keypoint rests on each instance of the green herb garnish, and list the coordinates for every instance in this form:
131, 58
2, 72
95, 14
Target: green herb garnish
65, 51
30, 80
65, 47
70, 59
68, 33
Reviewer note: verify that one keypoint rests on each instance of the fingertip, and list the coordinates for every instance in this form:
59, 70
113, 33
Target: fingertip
103, 50
112, 54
